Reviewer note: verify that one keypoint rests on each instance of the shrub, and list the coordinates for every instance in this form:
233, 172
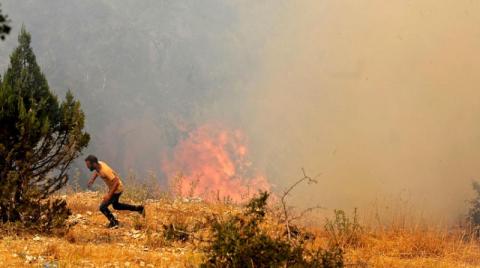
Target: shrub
140, 190
343, 231
47, 215
240, 241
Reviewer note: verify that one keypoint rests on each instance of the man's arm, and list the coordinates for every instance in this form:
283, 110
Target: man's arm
92, 179
116, 183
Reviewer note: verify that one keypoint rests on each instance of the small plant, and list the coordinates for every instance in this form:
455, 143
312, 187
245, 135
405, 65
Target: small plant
240, 241
343, 231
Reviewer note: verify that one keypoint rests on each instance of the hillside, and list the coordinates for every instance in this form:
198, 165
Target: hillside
142, 242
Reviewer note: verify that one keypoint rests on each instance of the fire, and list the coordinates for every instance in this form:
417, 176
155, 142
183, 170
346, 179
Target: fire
213, 164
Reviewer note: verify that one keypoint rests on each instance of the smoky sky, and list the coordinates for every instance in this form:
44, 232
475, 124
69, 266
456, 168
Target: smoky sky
141, 69
380, 98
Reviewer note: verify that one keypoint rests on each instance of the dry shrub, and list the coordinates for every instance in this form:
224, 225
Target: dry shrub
11, 229
343, 231
141, 190
47, 216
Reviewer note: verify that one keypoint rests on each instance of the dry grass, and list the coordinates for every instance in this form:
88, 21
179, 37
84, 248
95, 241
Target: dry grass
142, 242
423, 247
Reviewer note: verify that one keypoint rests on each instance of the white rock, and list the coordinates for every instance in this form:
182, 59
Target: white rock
137, 236
29, 259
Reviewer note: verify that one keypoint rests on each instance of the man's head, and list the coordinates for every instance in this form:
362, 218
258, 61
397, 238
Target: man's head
92, 162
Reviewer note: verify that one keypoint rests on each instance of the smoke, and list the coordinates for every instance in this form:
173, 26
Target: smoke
377, 98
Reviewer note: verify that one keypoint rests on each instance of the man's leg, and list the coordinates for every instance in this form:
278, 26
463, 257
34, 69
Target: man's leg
104, 209
120, 206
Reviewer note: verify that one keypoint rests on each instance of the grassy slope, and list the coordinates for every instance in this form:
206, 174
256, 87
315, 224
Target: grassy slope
140, 243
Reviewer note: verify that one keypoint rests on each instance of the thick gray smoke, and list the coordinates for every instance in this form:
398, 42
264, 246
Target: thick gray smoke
142, 69
380, 97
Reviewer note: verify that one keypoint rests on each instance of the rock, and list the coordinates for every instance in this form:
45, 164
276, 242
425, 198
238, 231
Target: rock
37, 238
75, 219
29, 258
136, 236
50, 265
127, 264
142, 264
192, 200
89, 213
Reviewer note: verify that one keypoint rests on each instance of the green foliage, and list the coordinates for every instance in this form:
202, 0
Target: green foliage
342, 230
474, 211
4, 25
39, 139
240, 241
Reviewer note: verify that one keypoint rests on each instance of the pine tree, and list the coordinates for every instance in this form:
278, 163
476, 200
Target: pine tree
4, 25
39, 139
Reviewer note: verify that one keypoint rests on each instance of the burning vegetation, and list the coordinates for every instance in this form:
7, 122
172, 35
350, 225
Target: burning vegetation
212, 162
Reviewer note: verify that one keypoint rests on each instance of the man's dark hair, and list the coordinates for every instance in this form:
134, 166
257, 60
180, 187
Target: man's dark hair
92, 159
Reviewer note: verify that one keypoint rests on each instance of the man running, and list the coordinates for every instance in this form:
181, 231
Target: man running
115, 189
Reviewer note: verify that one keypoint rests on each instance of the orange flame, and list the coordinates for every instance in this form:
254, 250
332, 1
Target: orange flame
213, 164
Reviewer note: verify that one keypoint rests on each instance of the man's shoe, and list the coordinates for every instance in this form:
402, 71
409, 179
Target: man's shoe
142, 211
113, 224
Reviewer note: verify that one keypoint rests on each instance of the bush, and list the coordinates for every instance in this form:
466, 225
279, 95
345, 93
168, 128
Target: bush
343, 231
48, 215
239, 241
